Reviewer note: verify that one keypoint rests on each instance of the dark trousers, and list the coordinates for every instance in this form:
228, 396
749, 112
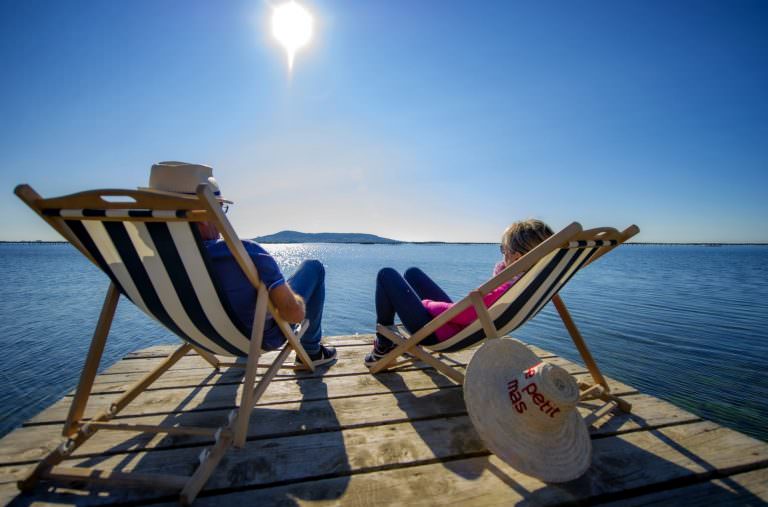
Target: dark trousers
309, 283
402, 295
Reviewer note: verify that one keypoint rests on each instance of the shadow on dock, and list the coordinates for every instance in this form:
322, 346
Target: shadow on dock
266, 459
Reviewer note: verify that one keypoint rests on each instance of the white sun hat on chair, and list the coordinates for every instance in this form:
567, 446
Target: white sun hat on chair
525, 411
182, 178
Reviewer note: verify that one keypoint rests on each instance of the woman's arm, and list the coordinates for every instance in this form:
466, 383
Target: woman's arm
469, 315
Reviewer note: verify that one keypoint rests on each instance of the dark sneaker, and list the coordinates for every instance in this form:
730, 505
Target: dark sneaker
323, 356
377, 353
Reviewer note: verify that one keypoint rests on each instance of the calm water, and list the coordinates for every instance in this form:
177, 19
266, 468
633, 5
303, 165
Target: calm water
688, 324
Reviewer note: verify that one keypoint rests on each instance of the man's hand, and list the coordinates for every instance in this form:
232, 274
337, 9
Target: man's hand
288, 303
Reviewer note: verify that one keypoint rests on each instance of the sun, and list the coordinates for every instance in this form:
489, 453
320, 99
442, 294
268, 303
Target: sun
292, 26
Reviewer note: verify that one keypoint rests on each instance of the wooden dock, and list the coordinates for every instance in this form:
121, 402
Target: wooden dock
343, 436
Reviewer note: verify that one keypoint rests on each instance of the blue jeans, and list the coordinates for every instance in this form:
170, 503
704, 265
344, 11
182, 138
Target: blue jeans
309, 283
402, 295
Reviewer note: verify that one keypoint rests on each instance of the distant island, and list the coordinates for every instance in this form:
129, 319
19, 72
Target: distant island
325, 237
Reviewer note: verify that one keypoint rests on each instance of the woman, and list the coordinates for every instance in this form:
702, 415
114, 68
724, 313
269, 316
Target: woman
417, 299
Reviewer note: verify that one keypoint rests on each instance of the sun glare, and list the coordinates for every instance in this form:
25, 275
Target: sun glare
292, 27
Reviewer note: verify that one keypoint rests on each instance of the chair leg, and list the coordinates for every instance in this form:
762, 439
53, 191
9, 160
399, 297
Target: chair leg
295, 343
254, 350
209, 459
145, 382
91, 366
623, 404
250, 395
208, 357
590, 391
596, 391
589, 361
86, 431
422, 355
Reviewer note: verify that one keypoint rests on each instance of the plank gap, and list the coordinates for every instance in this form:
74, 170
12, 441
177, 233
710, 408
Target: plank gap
659, 426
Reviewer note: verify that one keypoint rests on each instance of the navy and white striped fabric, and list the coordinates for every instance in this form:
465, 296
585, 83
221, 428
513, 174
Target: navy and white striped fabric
163, 268
114, 213
528, 295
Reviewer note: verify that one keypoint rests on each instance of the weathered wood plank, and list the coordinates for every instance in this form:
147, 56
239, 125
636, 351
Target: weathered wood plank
337, 341
159, 351
164, 350
29, 444
646, 458
349, 363
341, 342
352, 354
495, 486
193, 371
745, 489
222, 395
193, 368
440, 458
143, 362
166, 401
153, 351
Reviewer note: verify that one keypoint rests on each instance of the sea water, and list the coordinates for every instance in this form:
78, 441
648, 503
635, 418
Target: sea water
688, 324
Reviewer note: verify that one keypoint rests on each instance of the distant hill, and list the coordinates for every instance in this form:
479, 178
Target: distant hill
323, 237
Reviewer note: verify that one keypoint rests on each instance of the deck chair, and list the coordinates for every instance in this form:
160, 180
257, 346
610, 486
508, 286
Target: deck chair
148, 244
545, 270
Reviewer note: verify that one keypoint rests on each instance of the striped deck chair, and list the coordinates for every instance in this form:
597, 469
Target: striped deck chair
545, 270
148, 244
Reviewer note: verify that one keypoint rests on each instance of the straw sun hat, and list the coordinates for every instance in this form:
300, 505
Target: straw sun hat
182, 178
525, 411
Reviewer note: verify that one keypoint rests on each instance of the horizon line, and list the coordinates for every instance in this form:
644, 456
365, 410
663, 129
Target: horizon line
437, 242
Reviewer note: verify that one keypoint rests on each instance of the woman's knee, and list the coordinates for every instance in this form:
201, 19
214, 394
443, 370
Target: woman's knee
386, 274
414, 273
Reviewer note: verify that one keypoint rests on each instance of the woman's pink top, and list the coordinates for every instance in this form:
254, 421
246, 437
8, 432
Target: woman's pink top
469, 315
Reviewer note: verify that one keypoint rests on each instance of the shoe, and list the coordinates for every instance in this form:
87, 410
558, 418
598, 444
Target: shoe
323, 356
377, 353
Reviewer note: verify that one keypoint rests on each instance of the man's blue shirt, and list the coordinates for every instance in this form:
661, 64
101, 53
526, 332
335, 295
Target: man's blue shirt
237, 289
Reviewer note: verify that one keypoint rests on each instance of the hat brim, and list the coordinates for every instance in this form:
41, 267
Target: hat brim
558, 455
184, 194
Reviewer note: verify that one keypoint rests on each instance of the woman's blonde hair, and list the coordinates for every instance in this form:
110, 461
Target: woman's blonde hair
524, 235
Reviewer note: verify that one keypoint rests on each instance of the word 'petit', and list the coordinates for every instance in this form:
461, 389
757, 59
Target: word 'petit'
515, 395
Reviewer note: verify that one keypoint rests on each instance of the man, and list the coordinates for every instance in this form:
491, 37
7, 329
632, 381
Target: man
303, 295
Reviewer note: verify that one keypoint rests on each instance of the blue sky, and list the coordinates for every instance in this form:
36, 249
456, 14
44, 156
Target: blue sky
425, 120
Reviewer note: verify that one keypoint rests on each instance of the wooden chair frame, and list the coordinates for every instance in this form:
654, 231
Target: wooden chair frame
410, 344
202, 207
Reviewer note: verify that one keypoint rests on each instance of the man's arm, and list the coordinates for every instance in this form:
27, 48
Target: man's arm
288, 303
